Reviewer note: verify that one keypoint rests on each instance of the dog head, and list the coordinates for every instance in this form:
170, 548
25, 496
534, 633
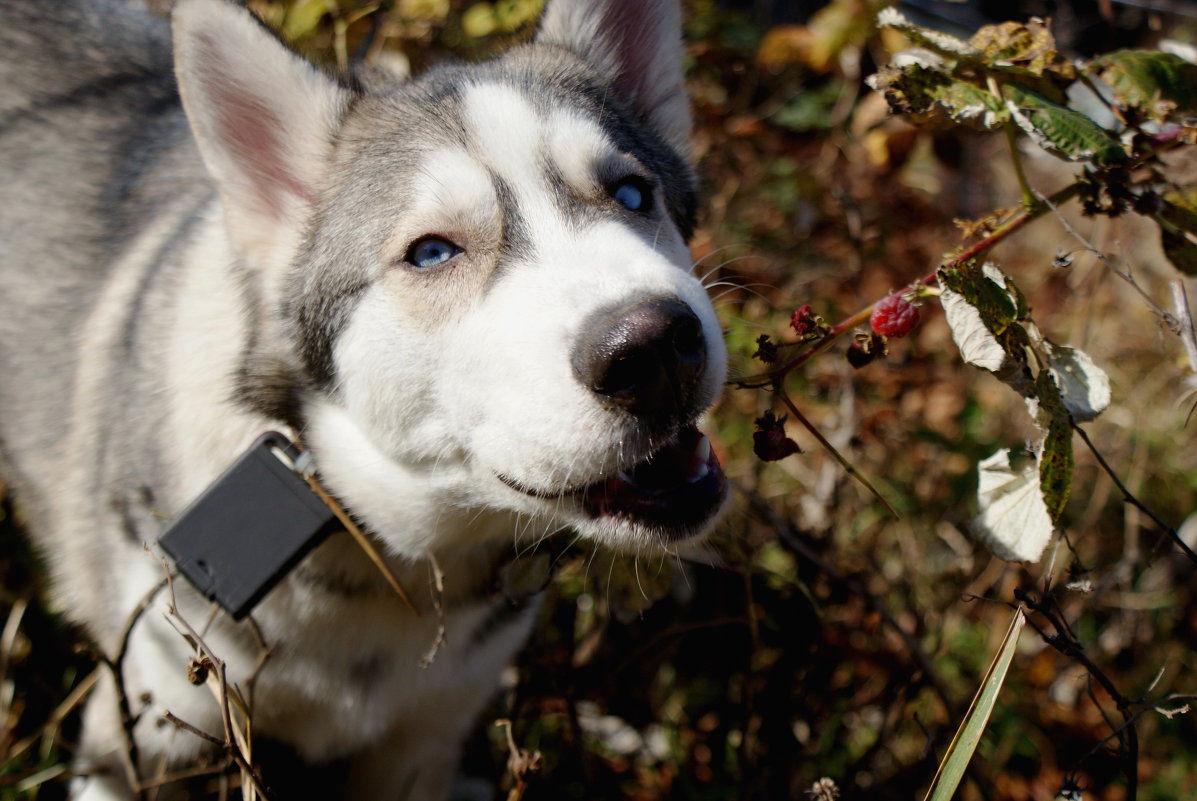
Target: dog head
482, 271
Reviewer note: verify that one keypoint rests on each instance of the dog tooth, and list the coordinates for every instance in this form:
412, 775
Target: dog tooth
702, 450
699, 474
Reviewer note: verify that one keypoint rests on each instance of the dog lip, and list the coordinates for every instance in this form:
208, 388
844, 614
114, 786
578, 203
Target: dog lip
674, 490
549, 495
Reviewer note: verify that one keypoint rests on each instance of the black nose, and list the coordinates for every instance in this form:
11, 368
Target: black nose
646, 357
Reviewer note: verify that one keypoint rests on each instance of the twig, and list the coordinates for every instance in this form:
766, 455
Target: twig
520, 762
1126, 275
236, 743
11, 628
849, 468
130, 755
438, 603
1072, 648
1184, 320
198, 732
1129, 497
362, 540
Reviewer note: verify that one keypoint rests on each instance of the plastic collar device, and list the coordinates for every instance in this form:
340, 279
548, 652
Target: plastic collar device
250, 526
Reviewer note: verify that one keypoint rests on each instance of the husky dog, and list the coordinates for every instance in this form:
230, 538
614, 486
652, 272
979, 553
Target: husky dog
468, 294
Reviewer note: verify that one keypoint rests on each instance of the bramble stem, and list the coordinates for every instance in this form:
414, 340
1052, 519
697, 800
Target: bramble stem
849, 468
1025, 215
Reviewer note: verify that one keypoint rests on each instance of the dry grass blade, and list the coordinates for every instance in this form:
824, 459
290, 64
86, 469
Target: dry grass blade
960, 751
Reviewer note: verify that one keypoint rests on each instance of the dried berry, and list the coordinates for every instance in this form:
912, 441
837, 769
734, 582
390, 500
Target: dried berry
865, 349
766, 350
859, 355
894, 316
197, 669
769, 441
804, 322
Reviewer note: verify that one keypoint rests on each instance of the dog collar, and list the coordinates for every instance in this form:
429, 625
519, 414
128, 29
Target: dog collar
255, 522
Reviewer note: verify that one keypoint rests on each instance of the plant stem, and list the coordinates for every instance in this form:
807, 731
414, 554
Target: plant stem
998, 235
849, 468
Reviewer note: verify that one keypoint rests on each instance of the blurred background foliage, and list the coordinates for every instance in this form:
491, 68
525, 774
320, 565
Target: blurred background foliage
816, 637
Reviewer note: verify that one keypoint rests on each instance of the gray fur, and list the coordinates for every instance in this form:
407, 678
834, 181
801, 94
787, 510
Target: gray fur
149, 329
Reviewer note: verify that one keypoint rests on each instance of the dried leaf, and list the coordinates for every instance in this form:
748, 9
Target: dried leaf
1178, 229
930, 97
1028, 46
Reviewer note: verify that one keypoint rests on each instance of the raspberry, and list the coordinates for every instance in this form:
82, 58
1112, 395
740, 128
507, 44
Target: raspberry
894, 316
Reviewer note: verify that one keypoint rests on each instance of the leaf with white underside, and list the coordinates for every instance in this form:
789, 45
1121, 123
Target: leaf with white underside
981, 306
1014, 520
977, 346
1084, 387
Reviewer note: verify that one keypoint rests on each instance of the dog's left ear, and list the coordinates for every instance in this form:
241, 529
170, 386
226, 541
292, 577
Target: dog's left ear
639, 42
264, 119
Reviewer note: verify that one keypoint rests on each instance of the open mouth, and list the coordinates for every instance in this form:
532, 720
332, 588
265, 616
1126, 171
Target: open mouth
675, 490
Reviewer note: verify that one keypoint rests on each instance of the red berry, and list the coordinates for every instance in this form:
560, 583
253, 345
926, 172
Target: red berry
894, 316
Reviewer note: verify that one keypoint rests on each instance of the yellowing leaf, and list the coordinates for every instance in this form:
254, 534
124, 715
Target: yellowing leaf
1029, 46
1158, 85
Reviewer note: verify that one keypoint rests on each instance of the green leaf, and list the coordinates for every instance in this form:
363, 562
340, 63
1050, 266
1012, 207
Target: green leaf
960, 751
1157, 85
1055, 458
1059, 130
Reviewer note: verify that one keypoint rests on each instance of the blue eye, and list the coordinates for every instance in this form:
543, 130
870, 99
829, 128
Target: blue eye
634, 193
431, 252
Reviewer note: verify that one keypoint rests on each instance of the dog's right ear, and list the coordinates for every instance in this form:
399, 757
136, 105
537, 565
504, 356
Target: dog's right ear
639, 44
264, 119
